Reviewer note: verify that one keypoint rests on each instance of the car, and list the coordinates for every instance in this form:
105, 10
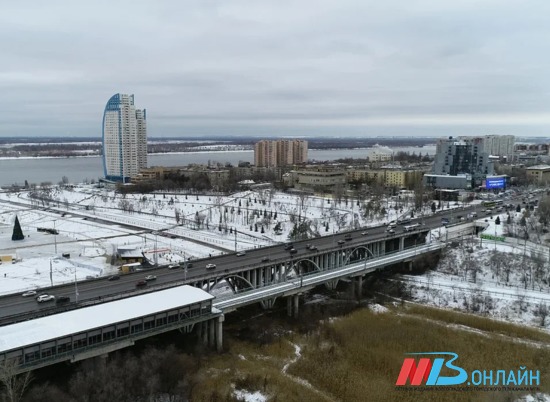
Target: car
265, 259
29, 293
241, 253
140, 284
62, 300
391, 231
45, 298
210, 266
289, 246
292, 251
173, 266
348, 237
364, 233
189, 265
90, 277
312, 247
114, 277
150, 278
340, 242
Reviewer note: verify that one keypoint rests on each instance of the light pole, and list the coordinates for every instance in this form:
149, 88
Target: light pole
155, 251
235, 232
184, 269
55, 236
75, 286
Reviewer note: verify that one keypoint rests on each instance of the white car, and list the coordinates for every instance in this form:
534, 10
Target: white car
150, 277
210, 266
29, 293
241, 253
45, 298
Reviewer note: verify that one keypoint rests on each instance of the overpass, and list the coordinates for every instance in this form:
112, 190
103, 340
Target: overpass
97, 329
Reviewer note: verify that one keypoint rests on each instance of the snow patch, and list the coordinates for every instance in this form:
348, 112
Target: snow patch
378, 309
250, 396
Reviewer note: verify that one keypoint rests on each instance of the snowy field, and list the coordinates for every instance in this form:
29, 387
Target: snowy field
94, 224
506, 280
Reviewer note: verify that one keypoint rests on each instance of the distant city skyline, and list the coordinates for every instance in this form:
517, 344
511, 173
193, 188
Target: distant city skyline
278, 68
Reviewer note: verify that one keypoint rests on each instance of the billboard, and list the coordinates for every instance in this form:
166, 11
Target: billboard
495, 182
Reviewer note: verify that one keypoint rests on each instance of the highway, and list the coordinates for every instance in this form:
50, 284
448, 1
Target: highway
95, 289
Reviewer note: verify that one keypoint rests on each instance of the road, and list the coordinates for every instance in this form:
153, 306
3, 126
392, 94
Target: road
103, 288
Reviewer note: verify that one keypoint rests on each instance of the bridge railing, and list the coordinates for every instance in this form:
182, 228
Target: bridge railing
318, 277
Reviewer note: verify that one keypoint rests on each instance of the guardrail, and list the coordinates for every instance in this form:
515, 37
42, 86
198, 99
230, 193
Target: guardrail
317, 278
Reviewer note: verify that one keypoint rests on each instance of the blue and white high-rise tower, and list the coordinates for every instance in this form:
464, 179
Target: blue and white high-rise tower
124, 139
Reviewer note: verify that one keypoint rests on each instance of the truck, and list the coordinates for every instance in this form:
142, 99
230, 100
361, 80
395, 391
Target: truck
130, 267
410, 228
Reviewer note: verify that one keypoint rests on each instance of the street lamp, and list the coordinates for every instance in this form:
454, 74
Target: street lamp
55, 236
75, 286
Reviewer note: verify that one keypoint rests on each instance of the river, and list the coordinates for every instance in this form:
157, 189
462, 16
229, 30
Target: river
80, 169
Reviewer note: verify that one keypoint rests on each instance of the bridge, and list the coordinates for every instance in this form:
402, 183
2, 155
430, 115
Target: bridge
262, 275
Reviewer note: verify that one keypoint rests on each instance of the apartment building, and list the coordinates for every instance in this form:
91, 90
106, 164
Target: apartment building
124, 139
280, 153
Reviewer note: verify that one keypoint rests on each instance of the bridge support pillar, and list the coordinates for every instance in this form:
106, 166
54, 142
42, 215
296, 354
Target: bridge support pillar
401, 243
219, 333
268, 303
296, 304
202, 332
359, 287
212, 333
289, 306
331, 285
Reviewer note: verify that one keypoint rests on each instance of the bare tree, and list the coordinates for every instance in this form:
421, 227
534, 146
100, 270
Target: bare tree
14, 384
542, 313
543, 211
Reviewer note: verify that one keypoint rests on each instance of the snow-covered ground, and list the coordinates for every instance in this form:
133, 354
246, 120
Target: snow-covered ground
94, 224
506, 280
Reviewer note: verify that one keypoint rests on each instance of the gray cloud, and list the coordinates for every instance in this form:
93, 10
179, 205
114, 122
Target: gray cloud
359, 67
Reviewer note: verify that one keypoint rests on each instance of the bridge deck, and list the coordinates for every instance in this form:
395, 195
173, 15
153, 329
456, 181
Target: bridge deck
63, 325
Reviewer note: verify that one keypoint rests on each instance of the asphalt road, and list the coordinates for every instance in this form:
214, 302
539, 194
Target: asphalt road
95, 289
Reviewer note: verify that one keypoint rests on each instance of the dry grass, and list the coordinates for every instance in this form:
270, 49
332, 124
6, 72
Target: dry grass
481, 323
358, 358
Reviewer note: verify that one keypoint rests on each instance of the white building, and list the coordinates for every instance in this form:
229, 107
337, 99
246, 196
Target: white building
124, 139
379, 154
496, 145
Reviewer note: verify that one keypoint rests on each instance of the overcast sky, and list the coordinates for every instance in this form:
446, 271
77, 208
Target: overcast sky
281, 68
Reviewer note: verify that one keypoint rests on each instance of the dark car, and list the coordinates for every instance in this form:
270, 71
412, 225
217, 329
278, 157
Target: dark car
292, 251
189, 265
265, 259
348, 237
340, 242
141, 284
289, 246
114, 277
62, 300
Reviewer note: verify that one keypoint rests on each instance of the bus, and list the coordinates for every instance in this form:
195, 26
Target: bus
491, 204
410, 228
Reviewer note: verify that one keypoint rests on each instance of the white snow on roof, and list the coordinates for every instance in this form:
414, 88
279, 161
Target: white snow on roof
59, 325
